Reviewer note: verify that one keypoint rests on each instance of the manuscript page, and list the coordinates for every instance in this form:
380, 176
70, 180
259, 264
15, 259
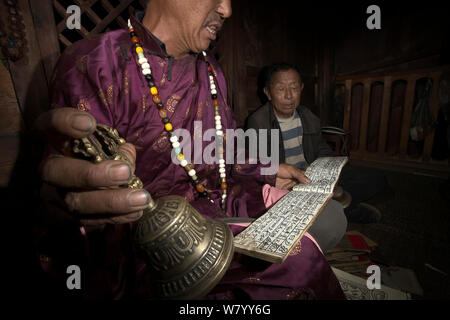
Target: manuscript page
272, 236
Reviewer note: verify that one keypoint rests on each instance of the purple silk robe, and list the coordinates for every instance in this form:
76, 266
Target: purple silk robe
102, 76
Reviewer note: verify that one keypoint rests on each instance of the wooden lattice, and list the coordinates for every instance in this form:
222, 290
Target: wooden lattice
96, 16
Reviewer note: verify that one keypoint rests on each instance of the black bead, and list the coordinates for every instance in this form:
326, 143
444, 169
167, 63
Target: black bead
204, 194
160, 106
149, 77
165, 120
137, 44
132, 34
214, 96
151, 83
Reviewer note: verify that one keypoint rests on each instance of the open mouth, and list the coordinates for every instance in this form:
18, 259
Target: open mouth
213, 29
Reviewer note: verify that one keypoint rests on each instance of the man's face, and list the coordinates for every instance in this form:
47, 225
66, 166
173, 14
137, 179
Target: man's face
198, 21
284, 92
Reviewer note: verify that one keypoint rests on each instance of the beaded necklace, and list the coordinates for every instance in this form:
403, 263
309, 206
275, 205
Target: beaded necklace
147, 72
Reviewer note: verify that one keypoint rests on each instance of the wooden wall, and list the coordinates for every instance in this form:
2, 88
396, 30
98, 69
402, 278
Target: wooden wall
413, 35
39, 34
260, 33
325, 40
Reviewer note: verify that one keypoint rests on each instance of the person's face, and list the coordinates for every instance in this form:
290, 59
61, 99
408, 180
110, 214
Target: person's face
198, 21
284, 92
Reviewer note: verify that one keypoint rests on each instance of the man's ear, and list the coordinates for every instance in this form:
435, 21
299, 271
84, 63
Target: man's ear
302, 86
267, 93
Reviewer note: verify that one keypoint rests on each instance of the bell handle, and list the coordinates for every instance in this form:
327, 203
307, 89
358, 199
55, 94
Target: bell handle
104, 144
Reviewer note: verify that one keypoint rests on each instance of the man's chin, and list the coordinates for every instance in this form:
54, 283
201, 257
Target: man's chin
289, 112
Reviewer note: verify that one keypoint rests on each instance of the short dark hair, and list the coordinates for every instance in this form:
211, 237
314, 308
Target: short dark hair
282, 66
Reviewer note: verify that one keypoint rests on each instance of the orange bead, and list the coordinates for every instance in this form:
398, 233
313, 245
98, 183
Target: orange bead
216, 103
200, 188
156, 99
223, 186
134, 39
180, 157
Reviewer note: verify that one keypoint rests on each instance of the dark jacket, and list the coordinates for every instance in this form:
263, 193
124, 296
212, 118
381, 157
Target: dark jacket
313, 144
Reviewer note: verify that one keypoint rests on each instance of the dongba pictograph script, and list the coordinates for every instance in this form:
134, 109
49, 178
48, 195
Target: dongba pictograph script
272, 236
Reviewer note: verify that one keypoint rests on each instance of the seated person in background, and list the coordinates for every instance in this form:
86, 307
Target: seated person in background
301, 142
92, 224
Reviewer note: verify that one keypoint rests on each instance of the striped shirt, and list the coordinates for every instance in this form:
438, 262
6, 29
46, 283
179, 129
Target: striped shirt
292, 133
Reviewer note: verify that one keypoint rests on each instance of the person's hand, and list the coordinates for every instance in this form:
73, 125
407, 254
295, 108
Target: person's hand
92, 192
288, 176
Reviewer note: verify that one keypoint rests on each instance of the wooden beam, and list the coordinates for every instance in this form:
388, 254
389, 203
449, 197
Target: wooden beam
348, 104
86, 8
384, 115
400, 74
407, 113
64, 40
365, 115
109, 7
28, 73
111, 16
47, 37
434, 108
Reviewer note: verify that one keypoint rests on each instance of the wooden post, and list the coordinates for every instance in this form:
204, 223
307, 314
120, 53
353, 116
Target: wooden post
28, 73
365, 116
47, 37
384, 115
407, 113
348, 104
434, 105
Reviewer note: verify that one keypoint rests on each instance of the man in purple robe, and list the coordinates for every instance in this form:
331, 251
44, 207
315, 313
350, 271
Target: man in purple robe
99, 80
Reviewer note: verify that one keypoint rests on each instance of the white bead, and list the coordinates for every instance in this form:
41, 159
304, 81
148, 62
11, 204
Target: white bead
223, 175
221, 165
218, 127
146, 66
219, 132
214, 91
221, 161
222, 170
143, 61
217, 118
184, 163
224, 196
146, 71
141, 55
129, 24
204, 53
213, 86
191, 172
211, 78
173, 139
175, 144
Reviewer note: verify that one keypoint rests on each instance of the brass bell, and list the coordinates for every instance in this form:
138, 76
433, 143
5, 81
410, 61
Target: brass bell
186, 253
